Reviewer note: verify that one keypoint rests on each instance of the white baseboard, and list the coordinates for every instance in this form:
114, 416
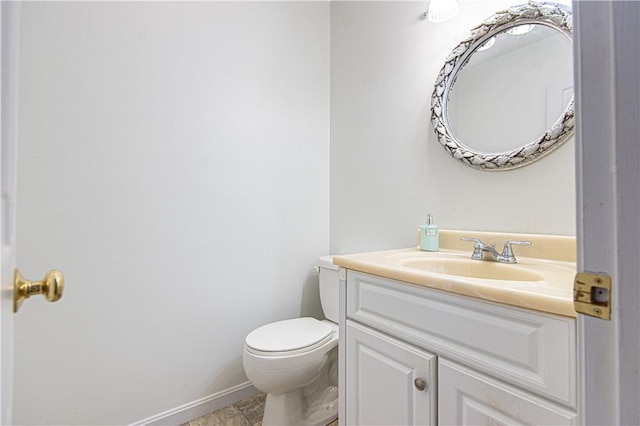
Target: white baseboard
200, 407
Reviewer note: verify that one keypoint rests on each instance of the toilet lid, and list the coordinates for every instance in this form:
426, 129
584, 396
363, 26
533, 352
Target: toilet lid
288, 335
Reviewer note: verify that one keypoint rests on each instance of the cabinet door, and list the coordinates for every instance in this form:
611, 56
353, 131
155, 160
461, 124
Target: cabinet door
384, 379
467, 397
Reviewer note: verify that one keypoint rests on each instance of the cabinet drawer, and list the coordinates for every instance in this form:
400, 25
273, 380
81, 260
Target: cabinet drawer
466, 397
536, 351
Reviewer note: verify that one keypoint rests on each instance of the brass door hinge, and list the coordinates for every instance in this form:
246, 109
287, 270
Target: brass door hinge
592, 294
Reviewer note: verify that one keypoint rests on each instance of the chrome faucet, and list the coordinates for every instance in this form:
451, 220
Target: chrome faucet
479, 249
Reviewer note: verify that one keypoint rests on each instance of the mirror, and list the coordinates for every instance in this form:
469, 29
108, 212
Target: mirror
504, 97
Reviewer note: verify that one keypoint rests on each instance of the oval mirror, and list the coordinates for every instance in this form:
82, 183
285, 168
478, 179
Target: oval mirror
504, 97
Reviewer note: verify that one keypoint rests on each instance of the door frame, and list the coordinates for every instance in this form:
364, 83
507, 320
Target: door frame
607, 81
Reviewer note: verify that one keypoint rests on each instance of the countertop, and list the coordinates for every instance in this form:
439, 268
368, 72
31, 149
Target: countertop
550, 291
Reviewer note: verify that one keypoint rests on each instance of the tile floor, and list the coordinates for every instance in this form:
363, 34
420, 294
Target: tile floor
247, 412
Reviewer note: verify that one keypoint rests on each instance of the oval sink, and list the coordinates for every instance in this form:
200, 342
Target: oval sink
474, 269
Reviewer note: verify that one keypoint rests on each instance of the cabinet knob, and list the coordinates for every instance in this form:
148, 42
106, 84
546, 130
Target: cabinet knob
420, 384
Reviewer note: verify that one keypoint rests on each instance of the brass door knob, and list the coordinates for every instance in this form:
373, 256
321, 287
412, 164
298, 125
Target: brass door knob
420, 384
50, 287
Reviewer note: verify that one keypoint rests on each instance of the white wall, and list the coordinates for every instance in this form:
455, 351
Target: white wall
387, 169
174, 165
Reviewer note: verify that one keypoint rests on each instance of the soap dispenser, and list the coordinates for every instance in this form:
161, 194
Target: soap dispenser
429, 236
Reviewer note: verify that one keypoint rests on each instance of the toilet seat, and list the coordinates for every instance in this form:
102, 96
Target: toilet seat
289, 337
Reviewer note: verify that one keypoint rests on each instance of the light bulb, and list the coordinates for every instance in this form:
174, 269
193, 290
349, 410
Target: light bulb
441, 10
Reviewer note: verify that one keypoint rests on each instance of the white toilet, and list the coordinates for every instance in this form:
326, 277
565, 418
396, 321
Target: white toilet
295, 362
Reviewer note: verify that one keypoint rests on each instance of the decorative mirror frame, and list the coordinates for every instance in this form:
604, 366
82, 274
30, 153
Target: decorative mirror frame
550, 14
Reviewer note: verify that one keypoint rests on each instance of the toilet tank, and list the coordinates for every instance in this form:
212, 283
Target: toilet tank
329, 287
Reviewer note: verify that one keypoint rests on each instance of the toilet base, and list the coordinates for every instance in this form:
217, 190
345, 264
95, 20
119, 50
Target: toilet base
289, 409
313, 405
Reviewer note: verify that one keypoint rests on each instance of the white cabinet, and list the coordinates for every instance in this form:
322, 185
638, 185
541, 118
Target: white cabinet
389, 381
488, 363
467, 397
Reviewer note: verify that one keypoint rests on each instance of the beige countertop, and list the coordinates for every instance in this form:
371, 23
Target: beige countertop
543, 284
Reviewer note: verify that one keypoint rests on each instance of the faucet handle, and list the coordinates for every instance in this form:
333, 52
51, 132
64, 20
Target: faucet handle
477, 243
507, 252
477, 247
473, 240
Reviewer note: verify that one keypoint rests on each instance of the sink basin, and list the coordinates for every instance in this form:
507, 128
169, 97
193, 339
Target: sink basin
473, 269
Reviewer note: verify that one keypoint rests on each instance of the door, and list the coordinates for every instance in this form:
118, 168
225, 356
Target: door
9, 21
8, 35
607, 76
467, 397
388, 381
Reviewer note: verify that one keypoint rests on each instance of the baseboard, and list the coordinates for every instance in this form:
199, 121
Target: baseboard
200, 407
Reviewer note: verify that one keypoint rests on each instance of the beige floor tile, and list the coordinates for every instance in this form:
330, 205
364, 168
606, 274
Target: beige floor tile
253, 408
247, 412
228, 416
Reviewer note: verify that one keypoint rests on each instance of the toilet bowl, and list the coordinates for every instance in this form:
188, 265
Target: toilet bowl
295, 362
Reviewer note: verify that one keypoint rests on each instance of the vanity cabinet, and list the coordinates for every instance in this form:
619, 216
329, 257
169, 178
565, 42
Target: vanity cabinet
481, 362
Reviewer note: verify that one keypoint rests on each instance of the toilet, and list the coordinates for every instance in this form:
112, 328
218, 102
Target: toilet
295, 361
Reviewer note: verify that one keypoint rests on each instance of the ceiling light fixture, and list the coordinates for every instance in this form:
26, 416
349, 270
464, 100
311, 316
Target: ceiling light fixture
441, 10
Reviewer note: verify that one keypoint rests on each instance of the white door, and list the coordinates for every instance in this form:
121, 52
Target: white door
607, 76
9, 21
8, 35
468, 397
388, 381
